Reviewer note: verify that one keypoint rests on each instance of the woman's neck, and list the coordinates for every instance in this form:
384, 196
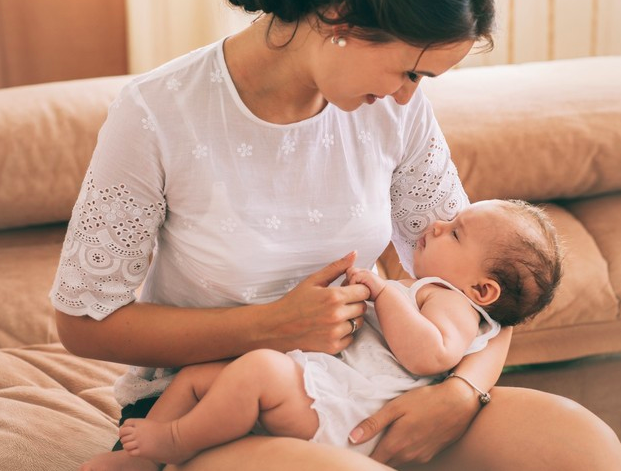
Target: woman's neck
275, 83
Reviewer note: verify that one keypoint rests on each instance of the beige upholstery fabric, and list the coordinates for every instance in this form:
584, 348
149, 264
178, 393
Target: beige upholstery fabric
47, 136
602, 218
585, 294
585, 302
28, 262
55, 411
533, 131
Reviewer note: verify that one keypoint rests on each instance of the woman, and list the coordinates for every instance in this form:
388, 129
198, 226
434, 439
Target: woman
251, 164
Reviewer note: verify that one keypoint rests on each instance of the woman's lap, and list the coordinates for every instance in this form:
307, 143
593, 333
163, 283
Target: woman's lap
261, 453
520, 429
527, 429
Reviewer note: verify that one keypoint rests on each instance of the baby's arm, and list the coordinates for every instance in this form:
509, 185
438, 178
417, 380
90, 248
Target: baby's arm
428, 341
374, 282
431, 340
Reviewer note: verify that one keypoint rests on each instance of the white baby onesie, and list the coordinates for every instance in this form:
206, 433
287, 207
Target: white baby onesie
357, 383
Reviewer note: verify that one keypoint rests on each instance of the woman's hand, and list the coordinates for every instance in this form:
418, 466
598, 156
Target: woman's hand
420, 423
315, 316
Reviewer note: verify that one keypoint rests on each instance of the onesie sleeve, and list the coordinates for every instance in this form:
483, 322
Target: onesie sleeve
425, 185
117, 215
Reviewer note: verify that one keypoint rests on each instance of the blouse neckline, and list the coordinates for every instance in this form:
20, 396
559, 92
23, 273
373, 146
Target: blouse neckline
245, 110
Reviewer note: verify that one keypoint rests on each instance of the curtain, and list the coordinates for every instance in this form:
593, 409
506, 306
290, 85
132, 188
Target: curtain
538, 30
159, 30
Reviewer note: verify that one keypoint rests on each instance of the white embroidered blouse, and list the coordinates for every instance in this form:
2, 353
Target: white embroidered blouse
236, 210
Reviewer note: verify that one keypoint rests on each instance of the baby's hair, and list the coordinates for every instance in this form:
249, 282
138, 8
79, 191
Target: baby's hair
526, 265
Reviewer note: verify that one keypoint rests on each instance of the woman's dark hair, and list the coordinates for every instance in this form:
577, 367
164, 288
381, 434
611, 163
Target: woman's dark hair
421, 23
527, 266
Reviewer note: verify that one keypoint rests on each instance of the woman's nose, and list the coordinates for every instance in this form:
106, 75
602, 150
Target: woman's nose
405, 93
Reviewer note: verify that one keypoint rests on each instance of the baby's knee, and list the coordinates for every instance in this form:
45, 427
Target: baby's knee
198, 377
264, 361
262, 356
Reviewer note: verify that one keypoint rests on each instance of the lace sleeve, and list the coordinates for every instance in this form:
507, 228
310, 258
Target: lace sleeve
425, 186
115, 220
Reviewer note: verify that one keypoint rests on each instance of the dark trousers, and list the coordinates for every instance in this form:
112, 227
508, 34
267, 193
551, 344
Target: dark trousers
139, 410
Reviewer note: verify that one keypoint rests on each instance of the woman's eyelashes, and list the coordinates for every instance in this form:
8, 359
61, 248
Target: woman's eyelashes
413, 76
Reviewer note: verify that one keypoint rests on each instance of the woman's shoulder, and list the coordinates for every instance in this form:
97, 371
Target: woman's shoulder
407, 124
180, 73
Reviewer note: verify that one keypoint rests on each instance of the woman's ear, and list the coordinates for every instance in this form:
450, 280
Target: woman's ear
485, 292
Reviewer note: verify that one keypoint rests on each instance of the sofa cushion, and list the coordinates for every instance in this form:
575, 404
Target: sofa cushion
56, 410
28, 261
550, 129
601, 216
583, 318
47, 135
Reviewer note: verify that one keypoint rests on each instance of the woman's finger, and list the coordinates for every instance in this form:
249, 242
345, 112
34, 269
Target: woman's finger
352, 325
355, 293
331, 272
370, 427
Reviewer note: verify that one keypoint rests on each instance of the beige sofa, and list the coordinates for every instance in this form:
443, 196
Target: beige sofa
543, 132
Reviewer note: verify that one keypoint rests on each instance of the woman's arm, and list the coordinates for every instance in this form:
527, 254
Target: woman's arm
425, 420
313, 316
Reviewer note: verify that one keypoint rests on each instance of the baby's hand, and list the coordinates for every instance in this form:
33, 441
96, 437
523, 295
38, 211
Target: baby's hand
366, 277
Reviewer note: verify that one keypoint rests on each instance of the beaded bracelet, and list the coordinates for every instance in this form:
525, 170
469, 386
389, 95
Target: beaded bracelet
484, 397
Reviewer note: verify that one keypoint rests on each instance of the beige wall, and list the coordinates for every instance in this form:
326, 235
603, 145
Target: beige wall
50, 40
159, 30
43, 40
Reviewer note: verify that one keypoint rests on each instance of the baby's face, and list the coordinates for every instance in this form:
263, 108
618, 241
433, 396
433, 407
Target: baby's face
456, 250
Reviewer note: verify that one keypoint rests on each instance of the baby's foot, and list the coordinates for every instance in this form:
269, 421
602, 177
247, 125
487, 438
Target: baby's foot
153, 440
119, 461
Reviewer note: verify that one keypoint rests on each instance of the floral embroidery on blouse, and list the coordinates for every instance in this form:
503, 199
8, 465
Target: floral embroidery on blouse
315, 216
173, 84
199, 151
244, 149
106, 250
217, 76
328, 140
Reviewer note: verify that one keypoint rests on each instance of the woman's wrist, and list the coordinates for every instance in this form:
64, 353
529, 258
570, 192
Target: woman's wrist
483, 396
268, 327
462, 395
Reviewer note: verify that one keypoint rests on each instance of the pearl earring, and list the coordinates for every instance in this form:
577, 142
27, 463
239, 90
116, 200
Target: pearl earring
340, 41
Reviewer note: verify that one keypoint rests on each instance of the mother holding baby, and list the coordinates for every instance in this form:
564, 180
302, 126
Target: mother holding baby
230, 180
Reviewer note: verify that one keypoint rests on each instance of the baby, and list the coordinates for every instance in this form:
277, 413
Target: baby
496, 264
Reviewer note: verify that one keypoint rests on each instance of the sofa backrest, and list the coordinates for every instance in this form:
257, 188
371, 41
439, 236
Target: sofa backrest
536, 131
47, 135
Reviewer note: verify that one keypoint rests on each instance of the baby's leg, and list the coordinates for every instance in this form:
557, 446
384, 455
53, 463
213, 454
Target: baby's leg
261, 384
186, 389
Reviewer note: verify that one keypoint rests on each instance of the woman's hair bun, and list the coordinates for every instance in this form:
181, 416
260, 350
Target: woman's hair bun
286, 10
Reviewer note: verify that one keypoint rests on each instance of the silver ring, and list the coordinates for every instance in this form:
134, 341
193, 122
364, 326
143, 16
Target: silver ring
354, 325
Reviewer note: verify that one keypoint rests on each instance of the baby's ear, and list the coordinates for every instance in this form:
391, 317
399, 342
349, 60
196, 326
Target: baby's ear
485, 292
